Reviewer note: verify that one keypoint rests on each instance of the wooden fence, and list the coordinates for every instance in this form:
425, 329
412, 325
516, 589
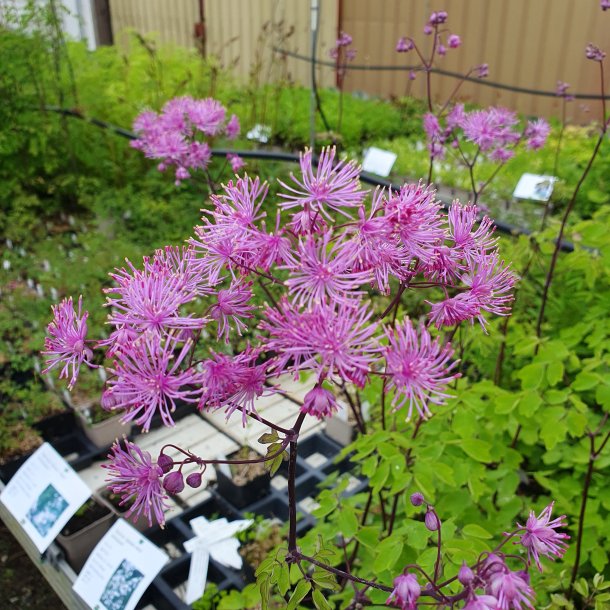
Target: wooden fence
528, 44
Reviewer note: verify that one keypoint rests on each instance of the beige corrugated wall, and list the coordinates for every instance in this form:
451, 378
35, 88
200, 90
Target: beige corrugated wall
527, 43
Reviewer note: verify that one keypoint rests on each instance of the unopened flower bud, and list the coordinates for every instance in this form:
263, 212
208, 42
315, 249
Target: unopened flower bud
165, 463
194, 479
465, 575
417, 499
319, 402
174, 482
431, 520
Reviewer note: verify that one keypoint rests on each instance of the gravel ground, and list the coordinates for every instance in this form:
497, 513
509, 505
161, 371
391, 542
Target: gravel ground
22, 585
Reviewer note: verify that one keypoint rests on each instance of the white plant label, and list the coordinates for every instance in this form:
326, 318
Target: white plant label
43, 495
119, 569
535, 187
378, 161
215, 539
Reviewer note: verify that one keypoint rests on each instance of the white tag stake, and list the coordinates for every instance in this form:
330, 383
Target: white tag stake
215, 539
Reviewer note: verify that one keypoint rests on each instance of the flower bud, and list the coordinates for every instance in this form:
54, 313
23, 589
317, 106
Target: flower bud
319, 402
417, 499
165, 463
194, 479
432, 521
174, 482
465, 575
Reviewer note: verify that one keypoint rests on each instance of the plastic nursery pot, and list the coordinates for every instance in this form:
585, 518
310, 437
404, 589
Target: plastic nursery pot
57, 426
113, 502
82, 533
339, 430
104, 433
247, 482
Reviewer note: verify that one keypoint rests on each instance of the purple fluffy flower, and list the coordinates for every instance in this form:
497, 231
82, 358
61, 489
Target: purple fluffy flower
540, 538
481, 602
469, 240
511, 589
233, 127
67, 343
595, 53
133, 475
328, 186
320, 269
406, 592
150, 299
236, 162
147, 380
233, 382
536, 133
332, 339
232, 305
417, 368
416, 216
453, 310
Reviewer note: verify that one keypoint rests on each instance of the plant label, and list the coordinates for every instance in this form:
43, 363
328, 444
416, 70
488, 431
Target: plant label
534, 187
43, 495
378, 161
215, 539
119, 569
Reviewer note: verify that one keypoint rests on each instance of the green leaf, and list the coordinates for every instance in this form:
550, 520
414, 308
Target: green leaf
283, 579
369, 536
554, 372
598, 558
388, 553
320, 601
347, 522
301, 590
477, 449
268, 437
531, 376
476, 531
585, 381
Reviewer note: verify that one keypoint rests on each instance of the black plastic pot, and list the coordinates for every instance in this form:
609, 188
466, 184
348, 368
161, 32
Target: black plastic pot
242, 495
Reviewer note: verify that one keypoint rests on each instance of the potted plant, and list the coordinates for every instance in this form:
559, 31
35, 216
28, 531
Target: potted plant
101, 427
83, 531
17, 442
242, 484
257, 542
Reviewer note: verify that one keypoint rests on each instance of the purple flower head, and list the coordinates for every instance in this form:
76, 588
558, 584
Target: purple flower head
469, 240
562, 90
441, 50
344, 40
147, 379
150, 299
233, 127
595, 53
432, 126
404, 45
417, 498
406, 592
330, 185
454, 41
416, 216
207, 116
511, 589
540, 538
482, 71
453, 310
428, 30
236, 162
536, 133
332, 339
232, 306
270, 248
491, 129
319, 402
67, 340
438, 18
412, 75
233, 382
173, 483
133, 475
320, 269
455, 117
481, 602
604, 5
417, 368
465, 575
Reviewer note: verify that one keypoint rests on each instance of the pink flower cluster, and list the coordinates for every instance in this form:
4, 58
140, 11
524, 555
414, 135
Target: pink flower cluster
490, 584
330, 246
493, 132
179, 134
442, 41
